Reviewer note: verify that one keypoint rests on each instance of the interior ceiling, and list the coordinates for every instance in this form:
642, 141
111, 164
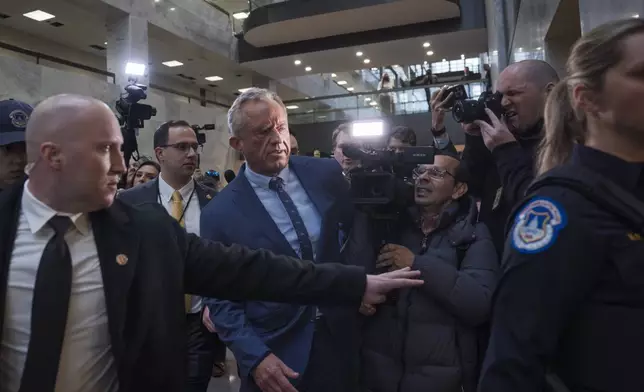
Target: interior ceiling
448, 46
232, 6
84, 25
396, 13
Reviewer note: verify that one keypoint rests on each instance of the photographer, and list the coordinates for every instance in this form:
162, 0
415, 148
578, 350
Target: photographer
439, 236
500, 154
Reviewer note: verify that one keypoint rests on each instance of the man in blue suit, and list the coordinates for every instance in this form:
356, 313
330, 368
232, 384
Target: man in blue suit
294, 206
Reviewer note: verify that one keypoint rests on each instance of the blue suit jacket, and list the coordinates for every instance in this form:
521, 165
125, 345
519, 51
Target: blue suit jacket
252, 330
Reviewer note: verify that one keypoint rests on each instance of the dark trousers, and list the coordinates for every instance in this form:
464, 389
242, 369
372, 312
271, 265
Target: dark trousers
204, 349
329, 368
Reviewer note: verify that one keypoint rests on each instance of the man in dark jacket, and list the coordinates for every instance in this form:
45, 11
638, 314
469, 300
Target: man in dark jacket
13, 158
425, 339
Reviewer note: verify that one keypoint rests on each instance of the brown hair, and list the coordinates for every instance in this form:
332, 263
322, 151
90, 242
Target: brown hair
342, 128
590, 58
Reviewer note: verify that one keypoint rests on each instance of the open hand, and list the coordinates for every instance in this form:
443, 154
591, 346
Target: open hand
438, 108
496, 134
379, 285
271, 375
395, 256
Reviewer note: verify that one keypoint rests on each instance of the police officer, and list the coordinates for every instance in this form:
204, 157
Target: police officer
13, 158
569, 311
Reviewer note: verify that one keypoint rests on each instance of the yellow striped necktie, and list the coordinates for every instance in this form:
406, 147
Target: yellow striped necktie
177, 213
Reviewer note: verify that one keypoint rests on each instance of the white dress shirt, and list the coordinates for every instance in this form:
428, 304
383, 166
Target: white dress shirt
86, 362
191, 217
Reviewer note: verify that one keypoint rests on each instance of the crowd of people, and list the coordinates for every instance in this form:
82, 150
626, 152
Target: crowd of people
515, 265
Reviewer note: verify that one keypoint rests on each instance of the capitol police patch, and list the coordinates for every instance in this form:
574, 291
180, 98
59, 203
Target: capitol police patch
537, 225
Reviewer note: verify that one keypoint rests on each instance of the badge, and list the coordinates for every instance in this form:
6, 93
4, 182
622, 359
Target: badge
121, 259
208, 197
19, 118
537, 226
497, 198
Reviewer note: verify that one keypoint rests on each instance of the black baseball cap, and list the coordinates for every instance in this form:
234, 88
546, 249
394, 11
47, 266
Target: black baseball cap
13, 121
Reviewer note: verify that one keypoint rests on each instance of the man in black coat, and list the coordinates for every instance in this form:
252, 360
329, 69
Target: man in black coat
92, 288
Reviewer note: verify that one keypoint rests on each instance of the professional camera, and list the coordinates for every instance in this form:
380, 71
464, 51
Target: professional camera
470, 110
201, 137
459, 94
385, 177
131, 116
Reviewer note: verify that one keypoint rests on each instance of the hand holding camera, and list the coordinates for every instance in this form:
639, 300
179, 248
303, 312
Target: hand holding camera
438, 106
496, 133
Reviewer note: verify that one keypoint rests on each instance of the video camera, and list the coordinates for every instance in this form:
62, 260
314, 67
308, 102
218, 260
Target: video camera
132, 115
466, 110
385, 177
201, 137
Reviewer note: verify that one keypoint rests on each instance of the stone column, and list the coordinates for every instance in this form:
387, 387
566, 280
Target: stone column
127, 42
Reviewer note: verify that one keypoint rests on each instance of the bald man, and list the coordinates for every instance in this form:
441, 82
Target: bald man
93, 289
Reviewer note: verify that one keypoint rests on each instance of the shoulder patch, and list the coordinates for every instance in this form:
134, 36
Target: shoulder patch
537, 225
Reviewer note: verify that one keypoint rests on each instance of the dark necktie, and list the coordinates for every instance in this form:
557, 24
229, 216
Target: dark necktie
49, 312
306, 248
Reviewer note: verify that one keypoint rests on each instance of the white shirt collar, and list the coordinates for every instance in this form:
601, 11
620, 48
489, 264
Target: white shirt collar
38, 213
261, 180
166, 190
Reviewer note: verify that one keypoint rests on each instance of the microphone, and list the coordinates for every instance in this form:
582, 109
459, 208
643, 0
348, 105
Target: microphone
229, 175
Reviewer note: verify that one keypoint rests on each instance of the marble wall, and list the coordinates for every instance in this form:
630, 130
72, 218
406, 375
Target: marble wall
30, 82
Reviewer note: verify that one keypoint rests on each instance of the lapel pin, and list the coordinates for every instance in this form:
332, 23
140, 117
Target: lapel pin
208, 197
121, 259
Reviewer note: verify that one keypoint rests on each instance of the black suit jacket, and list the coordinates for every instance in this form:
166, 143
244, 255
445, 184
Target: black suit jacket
144, 297
149, 193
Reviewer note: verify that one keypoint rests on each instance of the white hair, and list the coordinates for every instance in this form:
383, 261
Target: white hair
236, 116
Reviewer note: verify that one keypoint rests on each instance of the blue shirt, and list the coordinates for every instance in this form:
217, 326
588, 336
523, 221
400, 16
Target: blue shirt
276, 210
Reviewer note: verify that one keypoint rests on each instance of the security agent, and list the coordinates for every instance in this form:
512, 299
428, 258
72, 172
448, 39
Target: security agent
569, 310
13, 158
500, 154
92, 288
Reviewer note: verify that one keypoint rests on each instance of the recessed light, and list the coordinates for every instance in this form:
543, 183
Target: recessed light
333, 75
350, 89
105, 42
367, 61
214, 78
172, 63
297, 62
367, 99
373, 103
636, 15
172, 9
243, 90
156, 1
426, 45
38, 15
240, 15
342, 82
308, 69
425, 62
359, 54
430, 53
135, 69
292, 107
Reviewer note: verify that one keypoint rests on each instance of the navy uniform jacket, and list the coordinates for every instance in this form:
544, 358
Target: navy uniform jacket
252, 330
572, 296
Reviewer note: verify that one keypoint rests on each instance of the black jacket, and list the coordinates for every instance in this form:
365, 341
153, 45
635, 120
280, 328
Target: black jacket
572, 295
144, 297
426, 340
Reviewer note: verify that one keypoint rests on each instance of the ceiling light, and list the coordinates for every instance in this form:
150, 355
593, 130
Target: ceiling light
172, 63
156, 1
373, 103
359, 54
240, 15
172, 9
636, 15
308, 69
367, 99
350, 88
292, 107
243, 90
539, 48
321, 117
38, 15
297, 62
367, 61
425, 62
444, 60
333, 75
430, 53
105, 42
135, 69
426, 45
214, 78
520, 49
342, 82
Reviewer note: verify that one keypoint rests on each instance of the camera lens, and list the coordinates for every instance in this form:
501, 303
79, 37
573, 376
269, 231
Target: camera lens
466, 111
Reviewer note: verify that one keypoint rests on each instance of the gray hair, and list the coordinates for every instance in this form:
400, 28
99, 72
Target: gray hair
236, 116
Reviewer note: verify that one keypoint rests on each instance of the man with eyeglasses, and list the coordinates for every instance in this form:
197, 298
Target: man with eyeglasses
440, 237
176, 148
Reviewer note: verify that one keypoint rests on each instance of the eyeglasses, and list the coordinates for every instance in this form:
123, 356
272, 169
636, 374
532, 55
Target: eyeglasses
184, 147
432, 172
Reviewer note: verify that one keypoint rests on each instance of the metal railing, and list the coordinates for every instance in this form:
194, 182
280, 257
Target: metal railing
371, 104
